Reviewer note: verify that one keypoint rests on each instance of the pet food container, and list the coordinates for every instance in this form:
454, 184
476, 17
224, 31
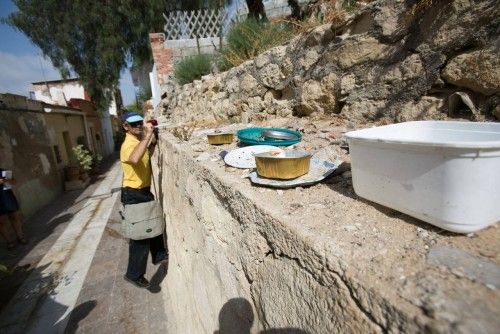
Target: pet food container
220, 138
293, 164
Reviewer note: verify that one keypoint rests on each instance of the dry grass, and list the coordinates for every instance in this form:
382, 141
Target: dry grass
192, 68
248, 39
251, 38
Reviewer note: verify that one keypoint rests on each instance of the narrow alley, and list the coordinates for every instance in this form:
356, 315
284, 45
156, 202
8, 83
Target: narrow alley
69, 278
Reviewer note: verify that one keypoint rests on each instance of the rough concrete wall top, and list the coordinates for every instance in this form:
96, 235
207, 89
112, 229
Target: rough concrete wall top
321, 259
317, 259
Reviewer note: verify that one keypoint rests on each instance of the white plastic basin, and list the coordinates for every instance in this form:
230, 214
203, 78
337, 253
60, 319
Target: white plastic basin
444, 173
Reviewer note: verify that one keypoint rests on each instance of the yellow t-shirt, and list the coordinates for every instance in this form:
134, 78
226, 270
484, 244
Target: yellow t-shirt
134, 175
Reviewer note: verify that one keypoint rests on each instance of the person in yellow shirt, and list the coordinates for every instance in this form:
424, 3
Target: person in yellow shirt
135, 155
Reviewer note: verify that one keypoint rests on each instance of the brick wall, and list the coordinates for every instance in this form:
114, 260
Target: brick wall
162, 57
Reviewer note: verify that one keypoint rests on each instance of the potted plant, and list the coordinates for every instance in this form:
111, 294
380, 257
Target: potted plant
73, 170
87, 161
84, 158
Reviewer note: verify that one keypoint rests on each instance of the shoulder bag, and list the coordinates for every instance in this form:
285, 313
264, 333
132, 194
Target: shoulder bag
143, 220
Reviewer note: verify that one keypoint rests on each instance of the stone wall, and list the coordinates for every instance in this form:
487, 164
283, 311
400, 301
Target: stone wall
390, 61
246, 259
320, 259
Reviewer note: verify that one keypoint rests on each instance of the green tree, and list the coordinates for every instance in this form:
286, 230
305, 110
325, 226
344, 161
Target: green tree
95, 40
134, 108
141, 96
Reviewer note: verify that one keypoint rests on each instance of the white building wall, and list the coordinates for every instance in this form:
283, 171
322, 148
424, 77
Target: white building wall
112, 109
155, 87
74, 90
59, 93
107, 129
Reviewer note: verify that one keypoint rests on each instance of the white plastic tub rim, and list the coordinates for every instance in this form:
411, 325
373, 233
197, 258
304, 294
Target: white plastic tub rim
482, 135
444, 173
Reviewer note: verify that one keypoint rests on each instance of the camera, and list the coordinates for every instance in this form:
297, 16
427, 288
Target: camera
154, 122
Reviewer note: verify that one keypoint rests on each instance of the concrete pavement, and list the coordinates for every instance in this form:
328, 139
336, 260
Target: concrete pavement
70, 278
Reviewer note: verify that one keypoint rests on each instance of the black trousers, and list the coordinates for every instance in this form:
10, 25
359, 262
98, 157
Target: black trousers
138, 249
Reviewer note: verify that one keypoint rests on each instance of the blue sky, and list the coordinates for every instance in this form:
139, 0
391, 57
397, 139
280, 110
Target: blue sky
22, 62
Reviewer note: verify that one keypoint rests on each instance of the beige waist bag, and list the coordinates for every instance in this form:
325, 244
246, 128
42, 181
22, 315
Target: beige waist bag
142, 220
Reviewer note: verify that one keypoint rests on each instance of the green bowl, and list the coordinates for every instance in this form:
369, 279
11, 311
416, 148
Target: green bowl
253, 136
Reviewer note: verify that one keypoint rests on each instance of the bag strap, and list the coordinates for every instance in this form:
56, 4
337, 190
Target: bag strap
152, 177
164, 234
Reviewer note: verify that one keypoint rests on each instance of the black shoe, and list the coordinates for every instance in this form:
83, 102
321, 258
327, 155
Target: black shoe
141, 282
23, 240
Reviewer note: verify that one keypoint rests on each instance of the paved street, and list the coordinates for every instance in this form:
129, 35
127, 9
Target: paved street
70, 276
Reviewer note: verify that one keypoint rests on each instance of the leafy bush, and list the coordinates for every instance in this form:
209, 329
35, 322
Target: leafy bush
192, 68
247, 39
85, 159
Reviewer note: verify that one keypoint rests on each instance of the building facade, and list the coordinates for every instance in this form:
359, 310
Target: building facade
36, 144
71, 93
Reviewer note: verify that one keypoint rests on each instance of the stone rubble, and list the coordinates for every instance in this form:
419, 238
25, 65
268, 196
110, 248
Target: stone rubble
388, 62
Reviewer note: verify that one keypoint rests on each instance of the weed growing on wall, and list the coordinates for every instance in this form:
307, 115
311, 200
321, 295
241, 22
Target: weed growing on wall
192, 68
247, 39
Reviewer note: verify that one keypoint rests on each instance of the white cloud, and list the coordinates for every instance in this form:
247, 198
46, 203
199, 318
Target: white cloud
17, 72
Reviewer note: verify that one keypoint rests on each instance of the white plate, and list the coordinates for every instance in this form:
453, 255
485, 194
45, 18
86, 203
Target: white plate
318, 170
244, 157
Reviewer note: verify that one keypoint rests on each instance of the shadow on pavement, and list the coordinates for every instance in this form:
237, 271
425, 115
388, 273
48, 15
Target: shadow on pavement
80, 312
42, 230
17, 315
158, 277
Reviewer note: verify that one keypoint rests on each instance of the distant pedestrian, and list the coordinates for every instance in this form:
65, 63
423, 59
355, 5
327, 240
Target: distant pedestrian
9, 210
135, 158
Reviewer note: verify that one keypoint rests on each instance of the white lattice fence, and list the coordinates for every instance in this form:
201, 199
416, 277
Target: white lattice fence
201, 23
